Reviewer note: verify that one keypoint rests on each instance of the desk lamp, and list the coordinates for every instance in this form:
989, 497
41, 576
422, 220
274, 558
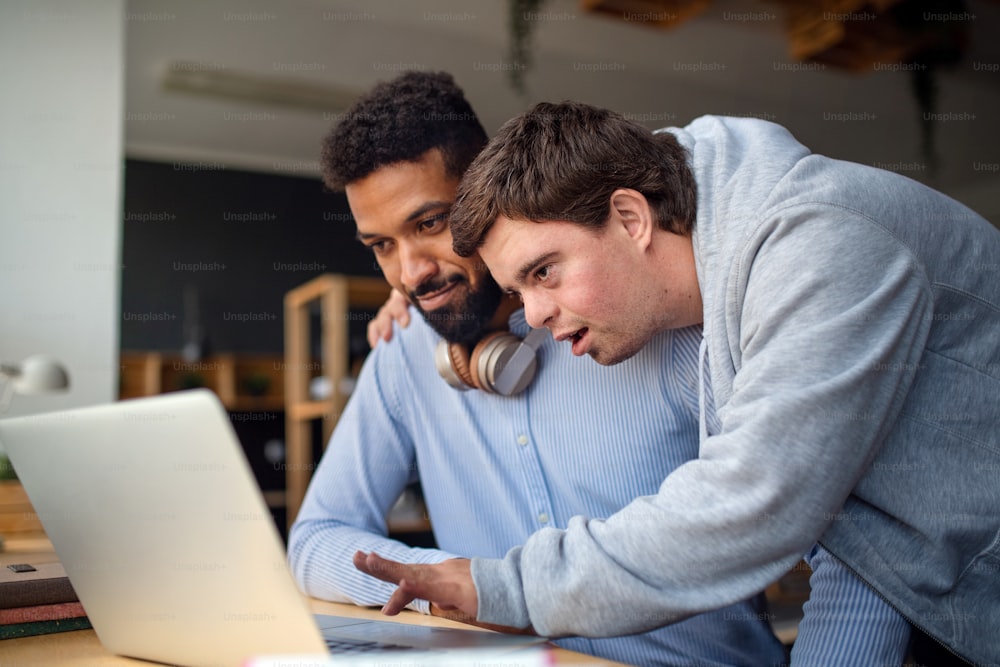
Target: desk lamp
38, 374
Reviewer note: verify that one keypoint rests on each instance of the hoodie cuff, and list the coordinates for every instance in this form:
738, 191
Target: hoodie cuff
499, 590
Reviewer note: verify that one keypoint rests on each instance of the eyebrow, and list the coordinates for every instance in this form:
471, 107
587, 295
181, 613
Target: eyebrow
420, 212
529, 266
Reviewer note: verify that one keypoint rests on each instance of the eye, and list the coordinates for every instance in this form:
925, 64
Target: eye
379, 247
434, 223
543, 273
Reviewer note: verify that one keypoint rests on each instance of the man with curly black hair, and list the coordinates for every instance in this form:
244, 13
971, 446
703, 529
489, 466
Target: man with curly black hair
415, 118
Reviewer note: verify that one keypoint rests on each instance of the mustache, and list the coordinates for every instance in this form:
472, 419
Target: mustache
434, 285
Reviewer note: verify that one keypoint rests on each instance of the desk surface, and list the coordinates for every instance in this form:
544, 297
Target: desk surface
82, 648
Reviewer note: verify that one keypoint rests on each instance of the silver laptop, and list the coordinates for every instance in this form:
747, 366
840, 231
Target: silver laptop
155, 515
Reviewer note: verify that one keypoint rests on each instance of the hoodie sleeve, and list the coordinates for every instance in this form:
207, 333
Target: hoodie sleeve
826, 318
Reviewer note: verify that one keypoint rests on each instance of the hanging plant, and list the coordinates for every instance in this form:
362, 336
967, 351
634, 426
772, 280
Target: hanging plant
520, 22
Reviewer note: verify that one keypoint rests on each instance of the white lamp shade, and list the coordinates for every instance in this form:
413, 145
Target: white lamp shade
40, 374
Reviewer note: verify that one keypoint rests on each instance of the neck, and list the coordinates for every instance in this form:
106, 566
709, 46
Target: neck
507, 306
676, 278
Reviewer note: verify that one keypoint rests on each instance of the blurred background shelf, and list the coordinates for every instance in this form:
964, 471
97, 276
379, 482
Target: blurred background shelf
242, 382
329, 300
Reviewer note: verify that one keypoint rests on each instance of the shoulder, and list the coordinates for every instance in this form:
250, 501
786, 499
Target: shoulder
409, 356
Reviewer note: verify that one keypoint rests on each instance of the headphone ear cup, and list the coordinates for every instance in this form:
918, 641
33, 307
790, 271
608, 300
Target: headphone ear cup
498, 364
479, 359
489, 354
452, 363
461, 364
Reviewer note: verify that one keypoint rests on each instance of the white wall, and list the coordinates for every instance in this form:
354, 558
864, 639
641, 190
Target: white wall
61, 136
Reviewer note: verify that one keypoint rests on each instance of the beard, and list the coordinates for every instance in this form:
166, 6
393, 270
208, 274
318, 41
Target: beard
465, 318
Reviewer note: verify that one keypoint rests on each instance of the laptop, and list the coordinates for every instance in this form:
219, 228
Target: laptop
162, 529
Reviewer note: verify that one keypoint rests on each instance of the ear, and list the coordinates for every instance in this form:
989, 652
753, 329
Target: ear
631, 210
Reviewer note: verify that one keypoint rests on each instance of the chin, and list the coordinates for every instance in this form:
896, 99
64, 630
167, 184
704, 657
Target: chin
605, 360
609, 356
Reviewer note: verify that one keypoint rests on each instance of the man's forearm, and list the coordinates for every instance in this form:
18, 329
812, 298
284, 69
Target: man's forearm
320, 556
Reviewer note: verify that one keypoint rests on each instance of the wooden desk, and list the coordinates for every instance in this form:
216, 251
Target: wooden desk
82, 648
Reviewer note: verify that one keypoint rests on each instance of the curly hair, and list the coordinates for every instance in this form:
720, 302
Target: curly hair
562, 162
398, 121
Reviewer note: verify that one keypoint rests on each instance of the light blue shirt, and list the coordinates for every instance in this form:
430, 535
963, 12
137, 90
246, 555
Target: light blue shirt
583, 440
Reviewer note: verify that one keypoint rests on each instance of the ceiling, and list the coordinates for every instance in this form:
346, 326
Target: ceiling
731, 59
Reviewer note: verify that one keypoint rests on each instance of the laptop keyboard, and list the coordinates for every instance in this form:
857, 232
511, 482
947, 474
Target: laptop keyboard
343, 645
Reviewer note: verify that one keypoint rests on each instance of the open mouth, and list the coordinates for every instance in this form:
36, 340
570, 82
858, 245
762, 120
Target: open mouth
576, 339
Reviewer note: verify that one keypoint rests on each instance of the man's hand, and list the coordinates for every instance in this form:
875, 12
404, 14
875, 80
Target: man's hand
448, 584
396, 308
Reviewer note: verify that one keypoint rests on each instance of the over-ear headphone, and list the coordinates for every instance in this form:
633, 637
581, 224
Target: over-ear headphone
500, 363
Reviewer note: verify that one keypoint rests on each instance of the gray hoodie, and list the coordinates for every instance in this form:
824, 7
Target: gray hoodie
852, 326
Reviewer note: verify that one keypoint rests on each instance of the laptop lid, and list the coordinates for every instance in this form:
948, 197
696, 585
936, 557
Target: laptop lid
155, 515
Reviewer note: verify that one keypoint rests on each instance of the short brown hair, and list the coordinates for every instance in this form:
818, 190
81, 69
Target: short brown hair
562, 162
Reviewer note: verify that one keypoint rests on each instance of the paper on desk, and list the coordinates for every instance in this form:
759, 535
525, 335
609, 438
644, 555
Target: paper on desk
527, 657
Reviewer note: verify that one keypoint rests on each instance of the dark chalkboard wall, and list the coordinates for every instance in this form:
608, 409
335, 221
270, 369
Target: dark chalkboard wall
236, 241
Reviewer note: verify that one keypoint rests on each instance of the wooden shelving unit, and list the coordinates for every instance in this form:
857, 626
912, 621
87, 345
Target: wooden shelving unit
335, 296
244, 383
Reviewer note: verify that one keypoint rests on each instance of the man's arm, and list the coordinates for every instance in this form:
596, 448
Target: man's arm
846, 623
368, 462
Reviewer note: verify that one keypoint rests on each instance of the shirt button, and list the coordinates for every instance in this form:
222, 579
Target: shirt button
522, 440
543, 518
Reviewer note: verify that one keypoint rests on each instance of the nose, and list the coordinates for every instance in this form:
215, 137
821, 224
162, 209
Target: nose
539, 309
415, 265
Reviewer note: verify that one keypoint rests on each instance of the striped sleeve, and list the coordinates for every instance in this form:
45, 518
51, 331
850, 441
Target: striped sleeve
846, 623
367, 464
